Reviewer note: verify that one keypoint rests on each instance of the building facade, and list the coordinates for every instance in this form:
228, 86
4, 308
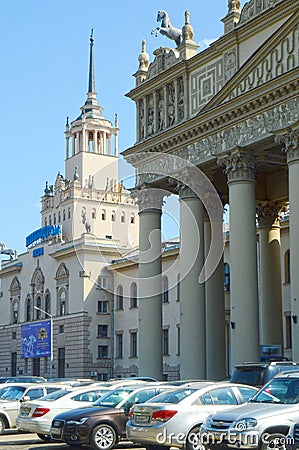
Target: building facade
215, 127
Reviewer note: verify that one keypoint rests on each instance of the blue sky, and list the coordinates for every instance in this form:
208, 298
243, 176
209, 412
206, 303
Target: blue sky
44, 49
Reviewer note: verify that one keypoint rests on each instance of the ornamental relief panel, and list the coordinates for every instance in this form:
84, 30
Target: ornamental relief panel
281, 59
254, 7
249, 131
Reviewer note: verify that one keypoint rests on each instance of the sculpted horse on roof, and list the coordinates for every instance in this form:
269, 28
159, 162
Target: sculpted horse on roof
167, 29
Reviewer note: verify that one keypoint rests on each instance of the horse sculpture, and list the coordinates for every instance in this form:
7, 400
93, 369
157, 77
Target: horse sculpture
7, 251
166, 28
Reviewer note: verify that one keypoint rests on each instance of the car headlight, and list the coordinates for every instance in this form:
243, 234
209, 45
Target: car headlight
207, 422
245, 424
77, 422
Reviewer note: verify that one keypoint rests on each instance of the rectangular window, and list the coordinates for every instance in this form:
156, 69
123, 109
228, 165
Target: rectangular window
103, 282
179, 340
103, 351
14, 335
61, 329
13, 372
61, 362
288, 332
133, 344
103, 307
165, 342
102, 331
36, 367
119, 346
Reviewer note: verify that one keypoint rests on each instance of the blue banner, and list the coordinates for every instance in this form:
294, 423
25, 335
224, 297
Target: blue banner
36, 339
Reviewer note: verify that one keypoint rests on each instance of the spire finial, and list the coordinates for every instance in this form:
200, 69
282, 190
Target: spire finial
91, 83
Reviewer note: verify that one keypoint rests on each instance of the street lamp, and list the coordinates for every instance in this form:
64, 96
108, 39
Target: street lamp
51, 342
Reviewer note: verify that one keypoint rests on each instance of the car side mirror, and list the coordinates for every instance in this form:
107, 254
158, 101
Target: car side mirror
26, 398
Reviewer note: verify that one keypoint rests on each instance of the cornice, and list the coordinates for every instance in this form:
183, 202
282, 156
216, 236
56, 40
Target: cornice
11, 270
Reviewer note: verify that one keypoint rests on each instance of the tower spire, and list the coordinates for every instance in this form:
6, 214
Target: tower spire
91, 80
91, 108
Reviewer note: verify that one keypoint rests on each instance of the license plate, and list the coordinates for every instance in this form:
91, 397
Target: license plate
56, 431
141, 418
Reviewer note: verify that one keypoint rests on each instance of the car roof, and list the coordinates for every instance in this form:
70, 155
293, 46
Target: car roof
286, 374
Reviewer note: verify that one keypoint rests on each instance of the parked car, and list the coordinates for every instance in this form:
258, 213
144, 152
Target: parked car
292, 439
23, 379
36, 416
258, 374
13, 394
103, 424
172, 419
262, 423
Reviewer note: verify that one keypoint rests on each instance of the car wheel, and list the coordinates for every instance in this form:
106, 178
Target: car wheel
2, 425
44, 437
275, 441
193, 439
103, 437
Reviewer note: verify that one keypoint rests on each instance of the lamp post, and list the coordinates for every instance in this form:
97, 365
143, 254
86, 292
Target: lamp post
51, 342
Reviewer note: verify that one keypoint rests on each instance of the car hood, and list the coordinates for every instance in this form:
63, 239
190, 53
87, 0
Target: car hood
86, 411
256, 410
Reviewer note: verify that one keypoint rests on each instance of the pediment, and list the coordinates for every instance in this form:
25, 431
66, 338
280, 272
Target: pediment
275, 57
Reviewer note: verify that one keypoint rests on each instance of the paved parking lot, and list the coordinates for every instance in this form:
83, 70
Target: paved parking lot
12, 440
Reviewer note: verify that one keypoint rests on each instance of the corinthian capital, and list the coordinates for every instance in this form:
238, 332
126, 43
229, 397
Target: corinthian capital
268, 213
239, 166
149, 198
290, 140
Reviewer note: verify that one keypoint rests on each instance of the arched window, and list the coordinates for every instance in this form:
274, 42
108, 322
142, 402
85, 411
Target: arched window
59, 217
165, 292
46, 222
226, 277
48, 303
113, 216
133, 296
63, 214
62, 303
38, 313
119, 297
132, 218
54, 219
123, 217
103, 215
50, 220
28, 310
93, 214
287, 267
178, 288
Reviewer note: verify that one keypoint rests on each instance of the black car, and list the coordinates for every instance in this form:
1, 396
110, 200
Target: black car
103, 424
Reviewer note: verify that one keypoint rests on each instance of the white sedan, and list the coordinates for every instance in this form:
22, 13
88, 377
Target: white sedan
36, 416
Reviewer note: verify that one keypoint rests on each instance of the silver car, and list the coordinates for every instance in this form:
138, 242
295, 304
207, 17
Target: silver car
262, 423
173, 419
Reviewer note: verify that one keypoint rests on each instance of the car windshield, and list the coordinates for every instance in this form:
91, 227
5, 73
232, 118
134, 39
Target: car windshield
112, 399
55, 395
175, 396
253, 376
11, 392
282, 390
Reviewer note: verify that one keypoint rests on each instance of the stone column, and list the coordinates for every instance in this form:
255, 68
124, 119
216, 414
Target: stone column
290, 139
192, 303
150, 359
73, 144
67, 144
240, 170
270, 274
95, 141
215, 314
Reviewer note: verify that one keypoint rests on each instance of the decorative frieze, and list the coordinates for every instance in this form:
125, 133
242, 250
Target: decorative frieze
241, 134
